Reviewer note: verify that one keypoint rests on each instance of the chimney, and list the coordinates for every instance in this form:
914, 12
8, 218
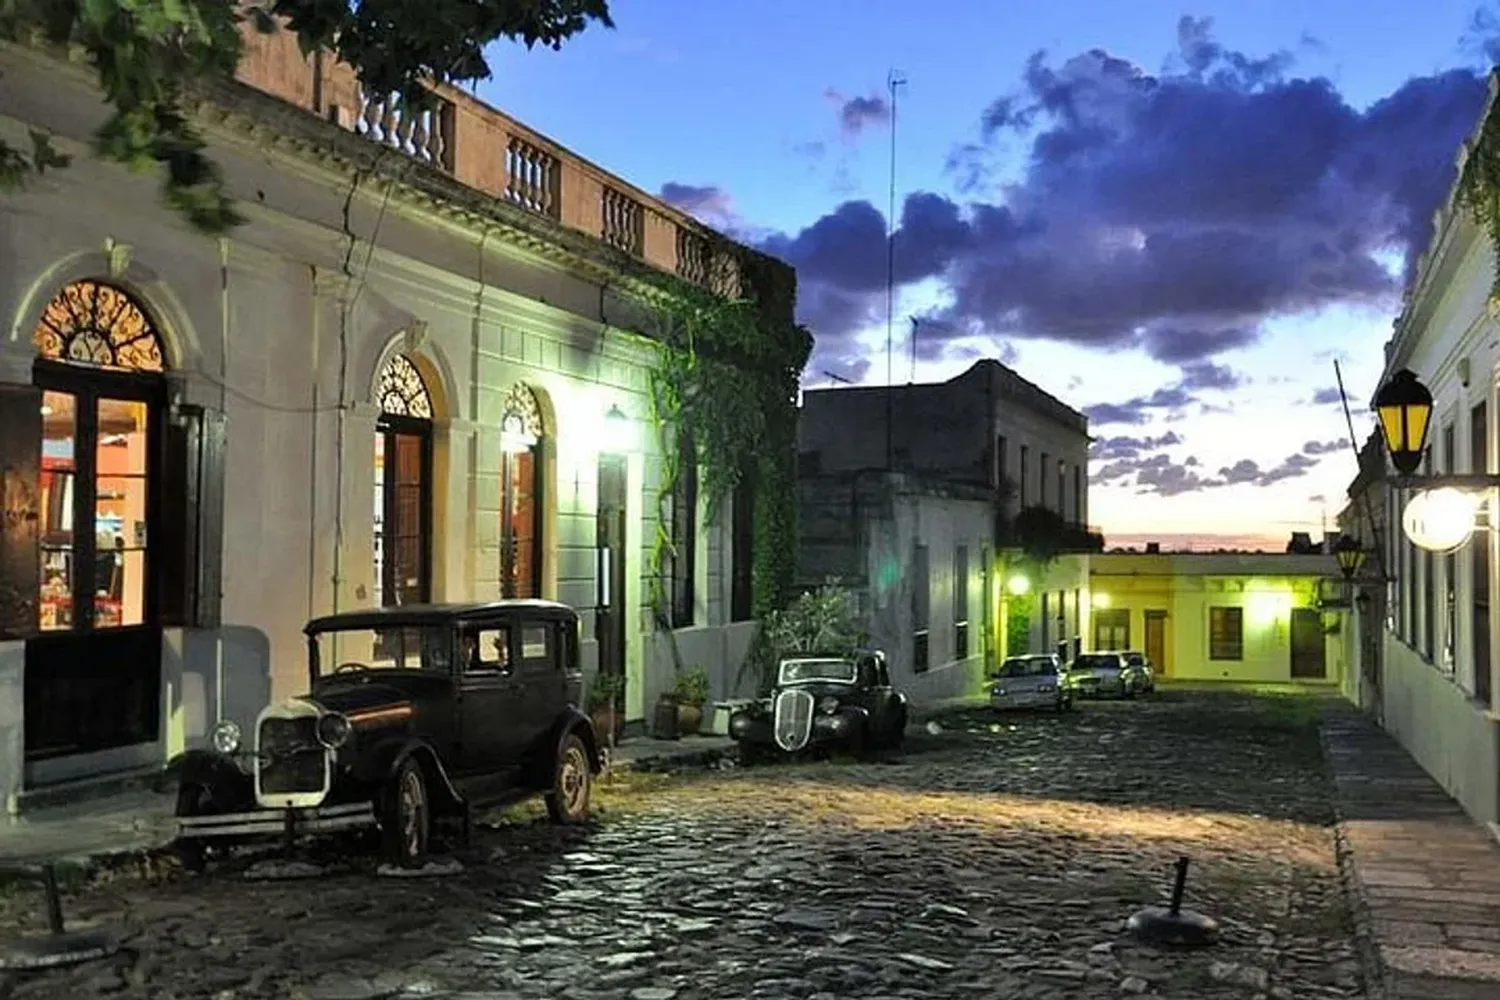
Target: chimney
1153, 548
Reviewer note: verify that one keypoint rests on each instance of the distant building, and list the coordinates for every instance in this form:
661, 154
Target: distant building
1366, 519
1253, 617
923, 499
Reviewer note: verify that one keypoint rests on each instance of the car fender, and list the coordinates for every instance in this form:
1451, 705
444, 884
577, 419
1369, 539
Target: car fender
389, 756
229, 787
573, 722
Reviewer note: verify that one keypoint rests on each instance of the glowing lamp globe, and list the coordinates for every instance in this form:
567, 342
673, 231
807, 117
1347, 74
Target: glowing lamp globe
1404, 407
1440, 520
1018, 585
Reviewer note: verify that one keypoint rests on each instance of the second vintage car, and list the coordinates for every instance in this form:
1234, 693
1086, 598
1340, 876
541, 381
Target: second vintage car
825, 702
1103, 675
413, 714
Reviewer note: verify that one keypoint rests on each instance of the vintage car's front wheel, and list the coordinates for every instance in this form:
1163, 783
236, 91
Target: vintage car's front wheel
406, 819
193, 800
572, 781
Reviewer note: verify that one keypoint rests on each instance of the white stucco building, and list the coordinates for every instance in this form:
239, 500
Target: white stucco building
408, 377
1438, 671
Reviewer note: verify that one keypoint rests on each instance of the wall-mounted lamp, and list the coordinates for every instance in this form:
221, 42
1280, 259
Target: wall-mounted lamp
514, 437
618, 434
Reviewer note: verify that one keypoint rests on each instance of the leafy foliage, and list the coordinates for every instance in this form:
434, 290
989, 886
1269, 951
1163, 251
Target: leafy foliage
1020, 611
692, 686
726, 380
1479, 185
605, 689
824, 622
149, 55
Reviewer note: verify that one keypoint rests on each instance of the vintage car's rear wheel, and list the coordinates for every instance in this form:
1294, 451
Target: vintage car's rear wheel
572, 781
406, 820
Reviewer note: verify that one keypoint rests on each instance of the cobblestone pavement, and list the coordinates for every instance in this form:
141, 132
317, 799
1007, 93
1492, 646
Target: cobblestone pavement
998, 857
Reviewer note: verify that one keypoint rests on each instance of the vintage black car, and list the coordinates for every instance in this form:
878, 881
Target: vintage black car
825, 702
414, 713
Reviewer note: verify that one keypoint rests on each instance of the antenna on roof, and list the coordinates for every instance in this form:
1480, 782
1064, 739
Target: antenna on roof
893, 80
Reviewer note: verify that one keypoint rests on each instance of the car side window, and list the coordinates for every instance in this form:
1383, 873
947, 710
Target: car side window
485, 650
536, 646
869, 676
883, 671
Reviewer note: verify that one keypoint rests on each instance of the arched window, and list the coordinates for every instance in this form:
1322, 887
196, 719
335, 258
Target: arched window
93, 675
403, 485
522, 440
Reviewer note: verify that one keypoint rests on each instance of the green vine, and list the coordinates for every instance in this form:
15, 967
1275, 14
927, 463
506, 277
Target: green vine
728, 367
1479, 185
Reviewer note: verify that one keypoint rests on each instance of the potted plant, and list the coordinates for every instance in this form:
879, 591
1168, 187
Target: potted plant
692, 692
603, 697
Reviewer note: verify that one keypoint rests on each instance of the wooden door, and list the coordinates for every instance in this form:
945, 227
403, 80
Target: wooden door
1156, 641
1308, 648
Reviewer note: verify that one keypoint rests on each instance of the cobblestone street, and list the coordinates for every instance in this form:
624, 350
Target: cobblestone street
996, 857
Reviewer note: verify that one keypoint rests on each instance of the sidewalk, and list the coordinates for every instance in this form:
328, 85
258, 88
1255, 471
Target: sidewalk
643, 753
1425, 877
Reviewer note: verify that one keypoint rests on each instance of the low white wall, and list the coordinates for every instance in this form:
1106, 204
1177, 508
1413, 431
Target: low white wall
1448, 734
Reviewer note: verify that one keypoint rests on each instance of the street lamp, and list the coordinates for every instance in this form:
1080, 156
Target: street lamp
1441, 514
1350, 555
1404, 406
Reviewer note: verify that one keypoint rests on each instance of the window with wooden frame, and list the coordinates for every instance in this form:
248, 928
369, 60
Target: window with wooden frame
961, 602
1226, 633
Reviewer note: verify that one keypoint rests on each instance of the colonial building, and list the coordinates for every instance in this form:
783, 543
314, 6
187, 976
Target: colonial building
923, 498
1248, 617
1438, 670
410, 376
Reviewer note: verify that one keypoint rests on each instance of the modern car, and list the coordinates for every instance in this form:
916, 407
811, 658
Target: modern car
1143, 677
413, 714
1036, 680
824, 702
1102, 675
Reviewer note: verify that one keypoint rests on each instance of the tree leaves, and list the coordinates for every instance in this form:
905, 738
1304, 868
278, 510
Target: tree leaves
148, 53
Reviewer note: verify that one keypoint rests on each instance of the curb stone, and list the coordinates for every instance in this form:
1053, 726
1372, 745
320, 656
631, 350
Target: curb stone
1372, 966
695, 760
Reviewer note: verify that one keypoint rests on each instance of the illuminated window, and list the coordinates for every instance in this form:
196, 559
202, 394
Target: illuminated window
98, 438
1226, 633
522, 438
403, 485
1112, 628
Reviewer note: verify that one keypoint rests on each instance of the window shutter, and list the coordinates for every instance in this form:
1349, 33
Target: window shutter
20, 508
192, 508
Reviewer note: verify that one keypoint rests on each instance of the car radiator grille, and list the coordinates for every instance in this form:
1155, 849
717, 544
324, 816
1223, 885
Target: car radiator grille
291, 758
792, 722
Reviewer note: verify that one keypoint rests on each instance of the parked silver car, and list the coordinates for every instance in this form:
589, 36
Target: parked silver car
1143, 676
1034, 681
1103, 675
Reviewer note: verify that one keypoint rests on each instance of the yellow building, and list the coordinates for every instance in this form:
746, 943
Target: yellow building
1250, 616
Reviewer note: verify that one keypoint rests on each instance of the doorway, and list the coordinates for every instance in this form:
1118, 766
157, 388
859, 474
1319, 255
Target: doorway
403, 486
1309, 651
1156, 640
609, 614
93, 671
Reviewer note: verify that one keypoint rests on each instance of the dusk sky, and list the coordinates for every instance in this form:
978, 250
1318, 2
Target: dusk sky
1173, 218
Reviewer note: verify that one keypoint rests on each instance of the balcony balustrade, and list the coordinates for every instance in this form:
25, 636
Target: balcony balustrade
493, 153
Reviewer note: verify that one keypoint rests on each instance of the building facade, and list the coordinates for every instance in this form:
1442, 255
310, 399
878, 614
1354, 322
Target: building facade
1438, 670
409, 376
1255, 617
920, 497
1366, 519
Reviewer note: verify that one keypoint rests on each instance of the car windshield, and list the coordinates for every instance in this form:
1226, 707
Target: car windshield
1135, 659
800, 671
1097, 661
1026, 666
411, 647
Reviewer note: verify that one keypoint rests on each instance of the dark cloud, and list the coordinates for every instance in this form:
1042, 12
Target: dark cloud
1207, 375
858, 113
1169, 212
1201, 376
1124, 447
1325, 447
1159, 473
710, 205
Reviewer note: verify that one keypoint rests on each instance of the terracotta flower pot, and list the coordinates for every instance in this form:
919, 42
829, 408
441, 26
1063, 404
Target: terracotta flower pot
689, 718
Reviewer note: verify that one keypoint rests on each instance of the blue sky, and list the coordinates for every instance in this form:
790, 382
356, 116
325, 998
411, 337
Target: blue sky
743, 100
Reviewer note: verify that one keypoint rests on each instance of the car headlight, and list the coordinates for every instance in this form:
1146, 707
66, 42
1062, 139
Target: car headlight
334, 729
997, 689
828, 704
225, 736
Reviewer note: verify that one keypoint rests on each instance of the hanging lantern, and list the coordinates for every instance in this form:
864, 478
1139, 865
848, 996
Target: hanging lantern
1350, 555
1404, 407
